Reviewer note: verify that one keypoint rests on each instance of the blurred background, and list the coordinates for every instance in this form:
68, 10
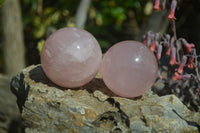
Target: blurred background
25, 24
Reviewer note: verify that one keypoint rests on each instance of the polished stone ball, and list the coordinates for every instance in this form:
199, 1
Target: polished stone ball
129, 69
71, 57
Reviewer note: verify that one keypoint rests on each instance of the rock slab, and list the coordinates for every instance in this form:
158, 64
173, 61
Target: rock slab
46, 107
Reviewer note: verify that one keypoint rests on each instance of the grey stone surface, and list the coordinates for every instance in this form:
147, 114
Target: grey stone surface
9, 113
92, 108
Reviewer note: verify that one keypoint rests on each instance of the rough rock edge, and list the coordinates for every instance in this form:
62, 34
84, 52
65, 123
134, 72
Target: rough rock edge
22, 83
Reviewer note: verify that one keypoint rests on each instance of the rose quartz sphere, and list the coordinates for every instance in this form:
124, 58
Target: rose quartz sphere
71, 57
129, 69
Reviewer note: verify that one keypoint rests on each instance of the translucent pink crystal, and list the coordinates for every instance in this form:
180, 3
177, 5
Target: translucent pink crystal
71, 57
129, 68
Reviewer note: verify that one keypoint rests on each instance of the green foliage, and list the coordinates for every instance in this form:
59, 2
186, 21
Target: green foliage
40, 45
106, 20
1, 2
40, 28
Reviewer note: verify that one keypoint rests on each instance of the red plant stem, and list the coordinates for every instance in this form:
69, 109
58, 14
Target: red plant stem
173, 5
182, 64
173, 56
174, 29
172, 10
163, 4
175, 39
157, 5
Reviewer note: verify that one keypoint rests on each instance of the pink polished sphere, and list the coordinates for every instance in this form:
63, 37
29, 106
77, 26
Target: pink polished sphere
71, 57
129, 69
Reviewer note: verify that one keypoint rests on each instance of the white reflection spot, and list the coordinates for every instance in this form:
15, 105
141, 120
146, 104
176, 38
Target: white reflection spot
48, 53
78, 47
137, 59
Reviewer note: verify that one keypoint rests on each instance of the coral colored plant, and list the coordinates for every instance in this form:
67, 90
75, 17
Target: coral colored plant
178, 62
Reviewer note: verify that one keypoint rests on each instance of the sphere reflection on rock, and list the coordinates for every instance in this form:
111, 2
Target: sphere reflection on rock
129, 68
71, 57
